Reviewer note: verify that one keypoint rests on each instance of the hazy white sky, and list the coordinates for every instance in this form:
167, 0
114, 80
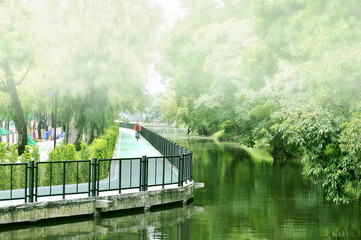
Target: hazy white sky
172, 13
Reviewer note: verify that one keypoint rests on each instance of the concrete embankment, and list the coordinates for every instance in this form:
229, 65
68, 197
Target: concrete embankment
33, 212
111, 224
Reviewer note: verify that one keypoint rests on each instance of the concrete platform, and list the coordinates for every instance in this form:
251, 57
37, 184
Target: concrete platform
32, 212
113, 224
126, 147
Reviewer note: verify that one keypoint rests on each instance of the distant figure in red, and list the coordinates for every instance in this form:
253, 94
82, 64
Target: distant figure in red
137, 129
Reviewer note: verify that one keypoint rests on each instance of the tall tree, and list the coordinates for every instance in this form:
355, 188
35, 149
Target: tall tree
15, 58
96, 59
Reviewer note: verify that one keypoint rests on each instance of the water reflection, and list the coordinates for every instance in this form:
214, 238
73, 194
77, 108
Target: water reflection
174, 223
246, 199
242, 199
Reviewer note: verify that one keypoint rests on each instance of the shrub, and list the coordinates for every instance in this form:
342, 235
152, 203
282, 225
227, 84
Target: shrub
13, 156
85, 152
2, 152
26, 156
35, 155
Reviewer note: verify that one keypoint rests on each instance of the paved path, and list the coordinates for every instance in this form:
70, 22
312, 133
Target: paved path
126, 147
45, 146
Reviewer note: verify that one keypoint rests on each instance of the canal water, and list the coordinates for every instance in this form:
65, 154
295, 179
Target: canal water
242, 199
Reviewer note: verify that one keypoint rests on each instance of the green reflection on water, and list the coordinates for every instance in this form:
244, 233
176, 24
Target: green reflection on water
242, 199
247, 199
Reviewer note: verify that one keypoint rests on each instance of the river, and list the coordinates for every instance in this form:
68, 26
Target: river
242, 199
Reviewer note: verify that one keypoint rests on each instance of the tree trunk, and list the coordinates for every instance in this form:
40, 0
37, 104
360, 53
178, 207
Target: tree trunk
91, 137
19, 115
39, 119
189, 130
75, 130
236, 127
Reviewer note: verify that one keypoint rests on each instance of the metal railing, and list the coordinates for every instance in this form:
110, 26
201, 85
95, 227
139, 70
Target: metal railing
14, 179
33, 180
167, 148
60, 178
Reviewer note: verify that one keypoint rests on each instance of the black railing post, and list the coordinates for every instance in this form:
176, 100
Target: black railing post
143, 173
146, 174
94, 176
64, 173
31, 181
180, 171
36, 180
191, 166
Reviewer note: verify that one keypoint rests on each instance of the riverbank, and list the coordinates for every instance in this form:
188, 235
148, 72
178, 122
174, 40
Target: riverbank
115, 224
38, 211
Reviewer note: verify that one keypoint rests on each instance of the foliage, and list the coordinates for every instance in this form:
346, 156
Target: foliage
99, 148
85, 152
26, 156
13, 156
99, 70
16, 56
35, 155
285, 73
2, 152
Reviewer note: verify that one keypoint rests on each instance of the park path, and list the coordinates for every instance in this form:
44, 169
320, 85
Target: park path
126, 147
45, 146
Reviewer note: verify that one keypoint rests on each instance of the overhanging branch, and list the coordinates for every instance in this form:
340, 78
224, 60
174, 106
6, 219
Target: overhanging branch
24, 76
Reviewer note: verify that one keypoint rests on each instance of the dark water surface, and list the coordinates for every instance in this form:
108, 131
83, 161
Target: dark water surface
242, 199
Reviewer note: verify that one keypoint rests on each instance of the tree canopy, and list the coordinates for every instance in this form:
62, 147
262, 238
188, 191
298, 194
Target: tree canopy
92, 55
277, 75
283, 76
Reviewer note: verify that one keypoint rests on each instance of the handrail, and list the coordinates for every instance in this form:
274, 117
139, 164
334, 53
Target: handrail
91, 177
164, 145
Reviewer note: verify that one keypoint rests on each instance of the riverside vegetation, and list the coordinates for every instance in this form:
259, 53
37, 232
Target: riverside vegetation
101, 148
282, 76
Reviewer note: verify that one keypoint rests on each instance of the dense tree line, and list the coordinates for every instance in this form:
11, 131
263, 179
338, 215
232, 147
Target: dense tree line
93, 55
283, 76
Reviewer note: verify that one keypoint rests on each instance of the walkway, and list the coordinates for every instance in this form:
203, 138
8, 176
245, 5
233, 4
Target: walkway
45, 146
126, 147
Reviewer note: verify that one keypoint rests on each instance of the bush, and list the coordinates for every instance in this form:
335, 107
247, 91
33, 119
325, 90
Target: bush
102, 148
2, 152
26, 156
35, 155
13, 156
228, 126
69, 152
99, 148
85, 152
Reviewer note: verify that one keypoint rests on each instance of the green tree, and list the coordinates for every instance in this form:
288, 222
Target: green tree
100, 67
283, 75
15, 57
13, 156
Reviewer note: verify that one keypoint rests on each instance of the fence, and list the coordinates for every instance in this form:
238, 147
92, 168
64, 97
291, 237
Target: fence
167, 148
33, 180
